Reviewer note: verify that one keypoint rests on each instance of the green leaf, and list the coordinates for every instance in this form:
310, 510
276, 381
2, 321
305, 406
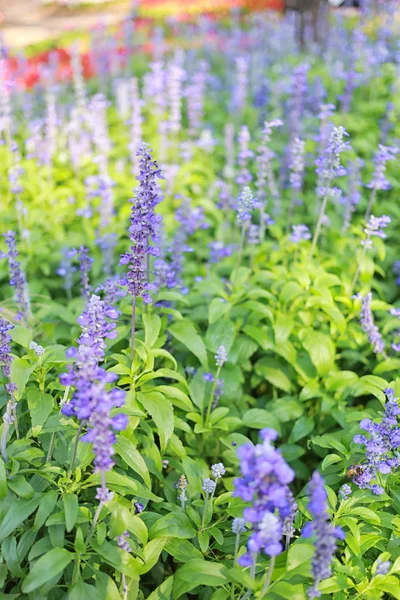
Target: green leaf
48, 566
329, 460
218, 307
17, 513
182, 550
151, 553
162, 412
127, 451
40, 407
3, 480
122, 484
19, 485
258, 418
22, 335
301, 429
175, 525
274, 372
46, 507
71, 507
20, 373
164, 591
186, 333
179, 398
320, 348
199, 572
152, 326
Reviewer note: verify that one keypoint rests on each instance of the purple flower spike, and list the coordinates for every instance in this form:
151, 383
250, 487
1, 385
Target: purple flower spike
381, 446
144, 225
85, 264
379, 180
325, 534
93, 401
367, 323
17, 277
264, 483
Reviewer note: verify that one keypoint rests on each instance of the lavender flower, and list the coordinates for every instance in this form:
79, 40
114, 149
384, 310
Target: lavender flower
368, 325
112, 289
328, 164
66, 269
299, 88
374, 228
244, 176
328, 167
5, 353
17, 277
383, 568
238, 526
264, 483
218, 470
92, 401
221, 356
5, 362
144, 226
299, 233
176, 76
85, 264
379, 180
246, 204
218, 251
265, 175
38, 350
345, 491
381, 446
324, 532
208, 486
242, 83
122, 541
296, 163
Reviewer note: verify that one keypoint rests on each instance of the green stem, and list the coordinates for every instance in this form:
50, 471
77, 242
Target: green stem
210, 401
203, 517
133, 328
74, 451
360, 262
319, 225
290, 212
370, 204
237, 544
252, 575
94, 523
268, 577
241, 247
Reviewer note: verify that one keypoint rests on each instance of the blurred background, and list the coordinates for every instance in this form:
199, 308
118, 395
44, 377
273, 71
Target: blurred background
26, 22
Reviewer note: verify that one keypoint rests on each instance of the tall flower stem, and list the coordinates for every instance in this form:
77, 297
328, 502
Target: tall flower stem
241, 247
360, 262
237, 544
370, 204
94, 522
133, 328
268, 577
211, 398
74, 451
203, 518
290, 211
319, 225
252, 575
